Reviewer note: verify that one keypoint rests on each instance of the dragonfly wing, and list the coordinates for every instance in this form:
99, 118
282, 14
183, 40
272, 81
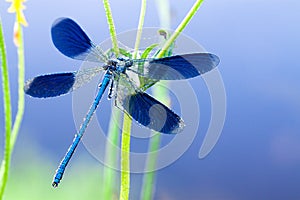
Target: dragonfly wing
52, 85
69, 38
179, 67
145, 109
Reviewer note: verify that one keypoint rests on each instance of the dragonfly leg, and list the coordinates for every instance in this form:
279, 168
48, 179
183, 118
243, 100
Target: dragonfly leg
111, 88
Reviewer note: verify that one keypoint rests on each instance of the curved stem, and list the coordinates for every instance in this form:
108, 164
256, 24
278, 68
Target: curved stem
21, 80
111, 26
140, 27
180, 28
7, 115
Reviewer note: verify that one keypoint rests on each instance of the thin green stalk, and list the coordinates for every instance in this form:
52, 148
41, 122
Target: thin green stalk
125, 159
148, 187
111, 26
140, 26
164, 13
149, 177
21, 80
125, 146
161, 94
180, 28
7, 115
111, 155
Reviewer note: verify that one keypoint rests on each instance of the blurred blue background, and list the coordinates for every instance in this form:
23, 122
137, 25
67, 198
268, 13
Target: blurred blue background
258, 154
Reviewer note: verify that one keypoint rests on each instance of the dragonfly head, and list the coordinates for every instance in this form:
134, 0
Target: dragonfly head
119, 64
128, 63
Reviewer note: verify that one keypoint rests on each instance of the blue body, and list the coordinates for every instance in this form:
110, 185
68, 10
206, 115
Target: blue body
72, 41
60, 171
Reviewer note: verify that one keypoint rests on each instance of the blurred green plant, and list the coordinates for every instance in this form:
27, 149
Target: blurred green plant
161, 93
11, 132
30, 180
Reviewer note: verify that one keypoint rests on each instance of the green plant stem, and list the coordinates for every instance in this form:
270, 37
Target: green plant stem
125, 158
180, 28
140, 27
111, 26
111, 155
161, 94
149, 177
7, 115
125, 146
21, 80
164, 13
148, 187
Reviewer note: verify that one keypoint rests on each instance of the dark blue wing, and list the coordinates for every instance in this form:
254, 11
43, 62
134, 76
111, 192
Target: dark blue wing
145, 109
52, 85
151, 113
72, 41
179, 67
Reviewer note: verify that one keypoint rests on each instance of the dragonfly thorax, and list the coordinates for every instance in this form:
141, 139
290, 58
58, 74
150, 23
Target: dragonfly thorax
119, 65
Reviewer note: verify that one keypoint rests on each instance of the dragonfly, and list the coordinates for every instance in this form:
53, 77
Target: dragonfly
72, 41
